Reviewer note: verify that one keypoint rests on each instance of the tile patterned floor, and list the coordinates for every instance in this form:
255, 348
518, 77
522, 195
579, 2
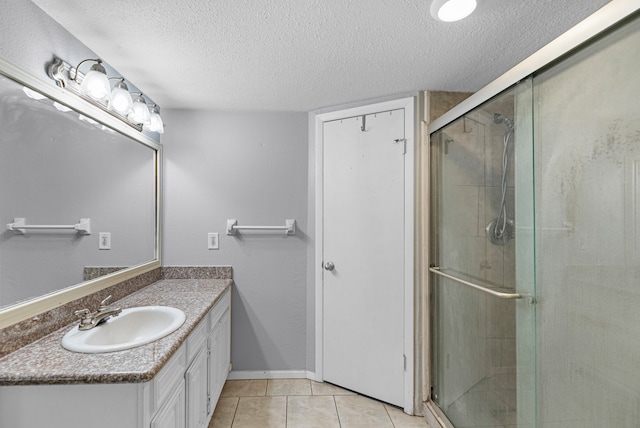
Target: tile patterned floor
301, 403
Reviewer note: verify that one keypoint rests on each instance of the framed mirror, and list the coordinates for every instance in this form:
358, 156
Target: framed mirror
79, 197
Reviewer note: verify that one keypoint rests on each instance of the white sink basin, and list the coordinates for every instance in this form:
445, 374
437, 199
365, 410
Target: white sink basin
133, 327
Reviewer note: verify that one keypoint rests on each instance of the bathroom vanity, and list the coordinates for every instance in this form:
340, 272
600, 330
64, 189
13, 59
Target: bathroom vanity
170, 383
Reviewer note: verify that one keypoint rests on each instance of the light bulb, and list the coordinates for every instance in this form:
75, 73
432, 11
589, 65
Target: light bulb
61, 107
156, 124
33, 94
140, 112
87, 119
121, 101
96, 83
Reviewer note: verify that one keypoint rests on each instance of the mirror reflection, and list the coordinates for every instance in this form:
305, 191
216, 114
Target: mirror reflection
58, 168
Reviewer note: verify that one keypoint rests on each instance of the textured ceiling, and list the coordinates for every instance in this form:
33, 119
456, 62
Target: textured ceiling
301, 55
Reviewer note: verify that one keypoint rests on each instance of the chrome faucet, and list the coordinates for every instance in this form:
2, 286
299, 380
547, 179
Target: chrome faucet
89, 320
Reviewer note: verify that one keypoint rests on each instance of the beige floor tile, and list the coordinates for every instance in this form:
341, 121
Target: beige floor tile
261, 412
288, 387
312, 412
244, 388
361, 412
401, 420
224, 413
323, 388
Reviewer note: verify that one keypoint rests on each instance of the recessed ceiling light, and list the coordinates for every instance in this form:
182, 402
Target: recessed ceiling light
452, 10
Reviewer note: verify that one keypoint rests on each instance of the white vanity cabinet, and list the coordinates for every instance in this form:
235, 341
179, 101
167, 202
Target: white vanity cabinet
183, 394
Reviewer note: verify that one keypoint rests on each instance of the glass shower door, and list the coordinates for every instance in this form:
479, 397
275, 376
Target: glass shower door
482, 267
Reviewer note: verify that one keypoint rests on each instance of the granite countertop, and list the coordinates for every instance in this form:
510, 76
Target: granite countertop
46, 362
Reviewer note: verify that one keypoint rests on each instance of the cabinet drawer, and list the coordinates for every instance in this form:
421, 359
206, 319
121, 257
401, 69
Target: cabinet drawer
197, 338
219, 309
170, 375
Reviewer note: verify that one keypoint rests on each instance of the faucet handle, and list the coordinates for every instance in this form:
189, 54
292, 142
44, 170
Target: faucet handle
84, 315
103, 304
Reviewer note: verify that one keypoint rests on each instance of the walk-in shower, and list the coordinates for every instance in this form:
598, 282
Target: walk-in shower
534, 247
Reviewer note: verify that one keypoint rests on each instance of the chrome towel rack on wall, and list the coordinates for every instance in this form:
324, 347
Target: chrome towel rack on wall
19, 226
289, 227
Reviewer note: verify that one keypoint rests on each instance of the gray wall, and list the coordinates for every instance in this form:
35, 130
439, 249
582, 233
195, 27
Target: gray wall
250, 166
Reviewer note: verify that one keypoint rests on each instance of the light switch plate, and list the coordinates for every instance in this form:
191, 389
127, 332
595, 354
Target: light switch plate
212, 241
104, 241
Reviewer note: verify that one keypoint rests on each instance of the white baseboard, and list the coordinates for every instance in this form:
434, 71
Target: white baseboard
270, 374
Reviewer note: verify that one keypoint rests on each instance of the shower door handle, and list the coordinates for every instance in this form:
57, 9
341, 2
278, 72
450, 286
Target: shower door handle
437, 271
329, 266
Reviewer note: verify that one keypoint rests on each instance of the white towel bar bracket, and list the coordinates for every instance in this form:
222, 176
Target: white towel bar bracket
19, 226
289, 227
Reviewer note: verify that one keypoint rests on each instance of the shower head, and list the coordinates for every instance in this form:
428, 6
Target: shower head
500, 118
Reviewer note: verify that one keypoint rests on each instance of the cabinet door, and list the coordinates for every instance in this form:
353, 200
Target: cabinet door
171, 414
197, 394
219, 349
225, 347
214, 377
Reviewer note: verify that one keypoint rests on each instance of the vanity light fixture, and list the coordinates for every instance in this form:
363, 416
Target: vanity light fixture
95, 88
452, 10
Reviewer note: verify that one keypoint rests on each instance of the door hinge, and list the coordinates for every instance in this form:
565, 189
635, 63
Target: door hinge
208, 404
404, 362
404, 144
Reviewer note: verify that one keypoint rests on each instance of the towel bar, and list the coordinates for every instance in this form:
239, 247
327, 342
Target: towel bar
19, 226
289, 227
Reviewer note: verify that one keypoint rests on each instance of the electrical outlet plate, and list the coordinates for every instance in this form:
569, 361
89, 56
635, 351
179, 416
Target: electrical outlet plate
212, 241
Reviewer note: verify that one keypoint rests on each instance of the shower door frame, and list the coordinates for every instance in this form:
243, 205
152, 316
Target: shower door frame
600, 21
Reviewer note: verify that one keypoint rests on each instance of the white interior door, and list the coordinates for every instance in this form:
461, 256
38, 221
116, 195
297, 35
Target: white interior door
363, 254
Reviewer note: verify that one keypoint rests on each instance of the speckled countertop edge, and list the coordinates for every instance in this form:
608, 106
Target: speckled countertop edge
46, 362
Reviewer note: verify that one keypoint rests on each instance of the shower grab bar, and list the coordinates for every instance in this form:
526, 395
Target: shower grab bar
19, 226
289, 227
499, 294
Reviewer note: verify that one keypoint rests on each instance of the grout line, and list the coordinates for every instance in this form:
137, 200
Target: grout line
337, 412
388, 415
235, 412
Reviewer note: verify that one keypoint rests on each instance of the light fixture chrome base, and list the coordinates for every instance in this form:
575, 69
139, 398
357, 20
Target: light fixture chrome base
61, 71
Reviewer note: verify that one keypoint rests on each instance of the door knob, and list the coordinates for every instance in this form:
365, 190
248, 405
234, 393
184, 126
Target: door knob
329, 266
